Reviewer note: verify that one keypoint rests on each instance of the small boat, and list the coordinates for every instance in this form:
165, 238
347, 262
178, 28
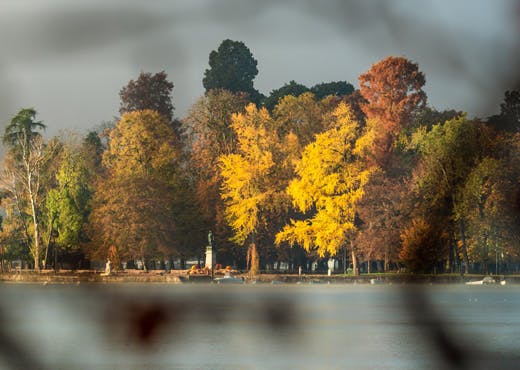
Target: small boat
488, 280
228, 279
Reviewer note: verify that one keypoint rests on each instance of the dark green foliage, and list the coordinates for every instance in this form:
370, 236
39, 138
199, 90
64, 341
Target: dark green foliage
430, 116
335, 88
22, 129
509, 117
232, 68
320, 91
93, 149
292, 88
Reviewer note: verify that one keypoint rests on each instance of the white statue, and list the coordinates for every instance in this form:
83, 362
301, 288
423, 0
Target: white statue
108, 269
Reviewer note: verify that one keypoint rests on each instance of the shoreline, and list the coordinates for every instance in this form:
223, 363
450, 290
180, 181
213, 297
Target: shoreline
182, 277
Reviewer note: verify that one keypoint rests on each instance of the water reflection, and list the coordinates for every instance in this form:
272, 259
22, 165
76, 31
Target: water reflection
258, 327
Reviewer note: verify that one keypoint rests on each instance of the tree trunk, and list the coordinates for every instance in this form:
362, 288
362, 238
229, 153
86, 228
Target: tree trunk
452, 254
464, 247
344, 259
354, 262
145, 268
253, 260
32, 198
485, 255
55, 250
2, 260
47, 243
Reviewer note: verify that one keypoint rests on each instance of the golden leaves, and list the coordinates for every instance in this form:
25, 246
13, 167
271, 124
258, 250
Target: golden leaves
331, 178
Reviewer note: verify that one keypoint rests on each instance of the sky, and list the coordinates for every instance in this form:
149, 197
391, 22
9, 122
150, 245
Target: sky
69, 59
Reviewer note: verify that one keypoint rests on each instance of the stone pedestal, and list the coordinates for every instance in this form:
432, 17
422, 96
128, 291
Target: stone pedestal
211, 257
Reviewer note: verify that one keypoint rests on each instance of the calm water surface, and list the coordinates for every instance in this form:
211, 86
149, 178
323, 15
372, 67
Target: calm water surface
258, 327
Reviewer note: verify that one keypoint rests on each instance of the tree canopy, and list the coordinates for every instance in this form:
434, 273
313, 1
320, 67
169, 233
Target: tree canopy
292, 88
148, 91
334, 88
132, 206
392, 89
233, 68
330, 181
374, 173
509, 117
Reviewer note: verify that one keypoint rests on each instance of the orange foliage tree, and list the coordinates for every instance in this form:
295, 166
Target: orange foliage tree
424, 245
392, 89
134, 200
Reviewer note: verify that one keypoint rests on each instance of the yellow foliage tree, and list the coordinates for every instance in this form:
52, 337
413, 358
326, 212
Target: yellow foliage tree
331, 177
255, 178
246, 185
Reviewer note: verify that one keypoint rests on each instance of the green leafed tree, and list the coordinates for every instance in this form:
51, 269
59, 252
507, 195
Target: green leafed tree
233, 68
23, 172
334, 88
68, 205
489, 212
292, 88
448, 154
509, 117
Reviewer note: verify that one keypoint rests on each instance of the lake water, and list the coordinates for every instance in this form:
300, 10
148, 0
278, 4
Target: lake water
259, 327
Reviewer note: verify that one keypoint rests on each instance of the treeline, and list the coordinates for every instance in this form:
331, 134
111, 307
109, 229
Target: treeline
372, 175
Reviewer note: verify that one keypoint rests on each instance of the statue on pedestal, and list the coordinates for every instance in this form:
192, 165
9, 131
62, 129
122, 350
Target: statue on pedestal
210, 252
211, 240
108, 268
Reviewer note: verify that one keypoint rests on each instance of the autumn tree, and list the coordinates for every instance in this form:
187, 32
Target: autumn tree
424, 244
491, 221
149, 91
448, 153
13, 236
392, 89
232, 68
209, 134
254, 179
355, 101
382, 211
331, 176
302, 115
133, 202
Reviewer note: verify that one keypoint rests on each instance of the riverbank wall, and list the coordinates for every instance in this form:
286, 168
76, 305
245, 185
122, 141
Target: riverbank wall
182, 276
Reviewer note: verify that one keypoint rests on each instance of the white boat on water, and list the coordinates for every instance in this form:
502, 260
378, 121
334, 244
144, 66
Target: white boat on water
228, 279
488, 280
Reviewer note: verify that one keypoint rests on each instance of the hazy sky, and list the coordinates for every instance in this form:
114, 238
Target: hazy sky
69, 59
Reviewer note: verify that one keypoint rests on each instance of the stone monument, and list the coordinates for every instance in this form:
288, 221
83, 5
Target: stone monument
211, 253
